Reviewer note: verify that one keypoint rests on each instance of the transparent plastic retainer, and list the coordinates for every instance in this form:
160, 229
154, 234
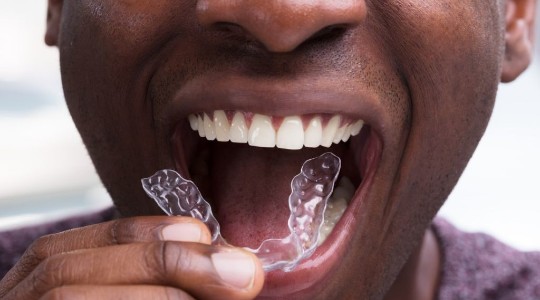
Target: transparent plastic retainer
307, 202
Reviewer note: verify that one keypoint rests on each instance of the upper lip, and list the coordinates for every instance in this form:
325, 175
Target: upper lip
275, 98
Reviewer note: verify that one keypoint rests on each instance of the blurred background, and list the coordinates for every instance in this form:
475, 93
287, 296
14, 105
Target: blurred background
46, 174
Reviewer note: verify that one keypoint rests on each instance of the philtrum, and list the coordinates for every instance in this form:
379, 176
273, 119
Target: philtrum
311, 189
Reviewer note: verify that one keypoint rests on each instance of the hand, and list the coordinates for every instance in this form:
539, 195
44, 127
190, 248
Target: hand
136, 258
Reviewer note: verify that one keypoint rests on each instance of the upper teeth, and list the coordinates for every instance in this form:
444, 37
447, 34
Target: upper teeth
291, 134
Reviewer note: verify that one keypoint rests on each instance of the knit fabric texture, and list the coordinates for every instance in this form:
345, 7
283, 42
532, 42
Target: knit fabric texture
477, 266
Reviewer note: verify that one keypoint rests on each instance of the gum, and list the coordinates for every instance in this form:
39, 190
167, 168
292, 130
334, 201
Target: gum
310, 190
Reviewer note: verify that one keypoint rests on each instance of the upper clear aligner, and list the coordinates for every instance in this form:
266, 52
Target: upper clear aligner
310, 190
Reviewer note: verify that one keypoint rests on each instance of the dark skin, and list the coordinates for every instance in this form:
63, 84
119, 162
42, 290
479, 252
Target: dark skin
423, 75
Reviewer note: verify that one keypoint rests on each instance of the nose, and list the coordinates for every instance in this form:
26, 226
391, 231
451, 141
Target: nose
282, 25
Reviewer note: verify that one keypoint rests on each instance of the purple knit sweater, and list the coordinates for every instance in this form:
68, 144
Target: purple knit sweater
474, 265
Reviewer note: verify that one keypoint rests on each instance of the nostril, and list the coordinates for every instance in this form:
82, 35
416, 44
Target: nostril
328, 33
227, 27
235, 35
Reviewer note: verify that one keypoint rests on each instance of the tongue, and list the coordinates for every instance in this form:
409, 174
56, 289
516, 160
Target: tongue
250, 190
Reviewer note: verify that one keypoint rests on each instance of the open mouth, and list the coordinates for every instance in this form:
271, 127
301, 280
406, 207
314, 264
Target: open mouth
243, 163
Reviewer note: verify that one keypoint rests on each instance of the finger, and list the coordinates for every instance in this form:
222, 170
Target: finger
124, 231
142, 292
121, 231
202, 271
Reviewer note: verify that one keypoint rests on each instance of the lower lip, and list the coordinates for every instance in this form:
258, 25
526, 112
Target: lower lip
307, 279
303, 281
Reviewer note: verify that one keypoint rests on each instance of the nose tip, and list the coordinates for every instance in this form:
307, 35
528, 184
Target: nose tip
282, 25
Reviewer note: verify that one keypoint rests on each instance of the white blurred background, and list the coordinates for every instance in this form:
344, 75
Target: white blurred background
45, 172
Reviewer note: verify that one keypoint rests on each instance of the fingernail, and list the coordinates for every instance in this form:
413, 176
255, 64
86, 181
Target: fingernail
181, 232
235, 268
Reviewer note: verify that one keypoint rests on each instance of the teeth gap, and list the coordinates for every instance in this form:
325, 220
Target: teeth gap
291, 132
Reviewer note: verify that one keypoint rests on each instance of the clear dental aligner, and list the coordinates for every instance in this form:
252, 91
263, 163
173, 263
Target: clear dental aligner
311, 189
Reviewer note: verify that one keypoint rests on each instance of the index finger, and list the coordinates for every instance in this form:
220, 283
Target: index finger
117, 232
123, 231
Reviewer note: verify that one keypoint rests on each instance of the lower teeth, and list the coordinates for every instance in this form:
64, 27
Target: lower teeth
337, 204
311, 220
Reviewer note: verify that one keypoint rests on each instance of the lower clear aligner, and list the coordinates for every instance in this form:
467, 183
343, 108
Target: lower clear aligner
310, 190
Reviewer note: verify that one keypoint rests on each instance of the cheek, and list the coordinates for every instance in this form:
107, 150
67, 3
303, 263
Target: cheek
128, 24
107, 49
111, 44
449, 55
449, 52
116, 45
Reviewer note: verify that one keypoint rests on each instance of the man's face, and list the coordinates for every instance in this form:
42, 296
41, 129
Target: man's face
421, 74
